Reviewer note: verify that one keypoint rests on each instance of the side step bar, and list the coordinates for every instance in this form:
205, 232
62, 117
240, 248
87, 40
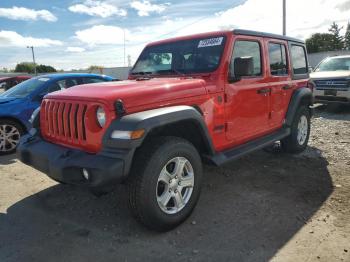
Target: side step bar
242, 150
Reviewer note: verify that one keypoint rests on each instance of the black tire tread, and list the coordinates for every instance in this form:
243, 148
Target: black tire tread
136, 181
289, 144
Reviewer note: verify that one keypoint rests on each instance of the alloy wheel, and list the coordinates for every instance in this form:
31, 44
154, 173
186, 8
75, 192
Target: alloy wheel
303, 128
175, 185
9, 137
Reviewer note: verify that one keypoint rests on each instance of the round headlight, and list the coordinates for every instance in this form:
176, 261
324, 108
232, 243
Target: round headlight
101, 116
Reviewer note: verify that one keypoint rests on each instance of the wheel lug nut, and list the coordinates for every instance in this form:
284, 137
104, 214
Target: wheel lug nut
170, 181
175, 177
179, 183
169, 190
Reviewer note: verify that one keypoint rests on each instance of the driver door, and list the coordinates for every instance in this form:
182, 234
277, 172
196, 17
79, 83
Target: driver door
247, 99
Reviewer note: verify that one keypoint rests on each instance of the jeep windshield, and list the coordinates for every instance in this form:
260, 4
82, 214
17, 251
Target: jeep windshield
334, 64
201, 55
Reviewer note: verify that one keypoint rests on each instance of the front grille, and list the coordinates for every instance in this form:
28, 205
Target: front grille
64, 121
333, 84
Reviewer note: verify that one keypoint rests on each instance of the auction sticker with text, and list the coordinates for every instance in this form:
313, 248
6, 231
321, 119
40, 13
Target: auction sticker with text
210, 42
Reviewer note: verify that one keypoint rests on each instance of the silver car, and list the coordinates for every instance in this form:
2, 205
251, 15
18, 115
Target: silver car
331, 80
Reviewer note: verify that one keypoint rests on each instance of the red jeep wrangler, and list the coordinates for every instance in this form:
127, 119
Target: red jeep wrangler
210, 97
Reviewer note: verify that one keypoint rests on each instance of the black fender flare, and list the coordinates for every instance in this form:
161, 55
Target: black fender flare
149, 120
299, 96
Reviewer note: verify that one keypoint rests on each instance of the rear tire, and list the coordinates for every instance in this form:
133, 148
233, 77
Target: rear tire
10, 133
298, 139
165, 182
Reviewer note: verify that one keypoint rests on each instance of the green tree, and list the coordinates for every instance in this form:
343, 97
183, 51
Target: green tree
45, 69
27, 67
337, 39
319, 42
24, 67
347, 37
93, 68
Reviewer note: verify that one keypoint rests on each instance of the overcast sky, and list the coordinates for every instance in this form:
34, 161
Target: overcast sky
71, 34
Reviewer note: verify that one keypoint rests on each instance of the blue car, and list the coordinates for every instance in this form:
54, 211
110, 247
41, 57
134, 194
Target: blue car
18, 103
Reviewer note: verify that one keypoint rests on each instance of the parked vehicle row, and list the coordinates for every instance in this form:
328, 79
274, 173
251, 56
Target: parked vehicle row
10, 81
331, 80
210, 97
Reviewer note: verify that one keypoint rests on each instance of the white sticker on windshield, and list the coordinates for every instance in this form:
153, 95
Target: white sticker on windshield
44, 79
210, 42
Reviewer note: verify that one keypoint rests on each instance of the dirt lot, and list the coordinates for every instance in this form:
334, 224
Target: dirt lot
263, 207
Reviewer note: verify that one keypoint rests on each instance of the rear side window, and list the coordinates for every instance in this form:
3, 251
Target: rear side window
54, 87
245, 49
299, 63
278, 59
67, 83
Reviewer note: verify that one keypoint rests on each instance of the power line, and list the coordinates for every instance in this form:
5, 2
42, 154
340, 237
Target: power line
122, 48
182, 27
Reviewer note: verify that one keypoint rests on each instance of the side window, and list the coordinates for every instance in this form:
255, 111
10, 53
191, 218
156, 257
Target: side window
67, 83
278, 60
54, 87
299, 63
246, 56
90, 80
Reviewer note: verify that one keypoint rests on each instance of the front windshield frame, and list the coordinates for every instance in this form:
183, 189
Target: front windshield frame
323, 66
26, 88
173, 70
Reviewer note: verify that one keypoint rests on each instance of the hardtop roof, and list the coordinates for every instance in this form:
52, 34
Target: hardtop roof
264, 34
226, 32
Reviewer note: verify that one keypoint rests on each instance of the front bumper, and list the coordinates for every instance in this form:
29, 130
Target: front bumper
66, 165
342, 97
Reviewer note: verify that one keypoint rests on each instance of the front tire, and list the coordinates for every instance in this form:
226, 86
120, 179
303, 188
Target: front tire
10, 133
298, 139
165, 182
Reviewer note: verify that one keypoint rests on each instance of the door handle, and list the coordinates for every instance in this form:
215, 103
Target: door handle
264, 91
286, 87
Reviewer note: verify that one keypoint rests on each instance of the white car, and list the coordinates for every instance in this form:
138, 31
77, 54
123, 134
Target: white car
331, 80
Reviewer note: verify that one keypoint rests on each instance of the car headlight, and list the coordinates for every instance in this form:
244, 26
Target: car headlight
34, 115
101, 116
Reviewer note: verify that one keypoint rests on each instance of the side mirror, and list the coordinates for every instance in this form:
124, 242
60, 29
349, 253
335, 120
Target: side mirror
311, 69
242, 66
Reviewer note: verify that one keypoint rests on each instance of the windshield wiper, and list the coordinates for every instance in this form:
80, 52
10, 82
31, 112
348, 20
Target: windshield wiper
147, 74
172, 70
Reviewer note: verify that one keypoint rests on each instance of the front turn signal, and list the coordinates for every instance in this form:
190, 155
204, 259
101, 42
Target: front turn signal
137, 134
120, 134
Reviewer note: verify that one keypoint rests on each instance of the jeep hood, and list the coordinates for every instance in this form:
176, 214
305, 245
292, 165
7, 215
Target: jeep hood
330, 74
135, 93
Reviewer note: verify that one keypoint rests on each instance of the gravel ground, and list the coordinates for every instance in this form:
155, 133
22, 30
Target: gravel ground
266, 206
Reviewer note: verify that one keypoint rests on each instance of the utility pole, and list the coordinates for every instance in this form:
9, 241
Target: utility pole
124, 45
31, 47
284, 17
